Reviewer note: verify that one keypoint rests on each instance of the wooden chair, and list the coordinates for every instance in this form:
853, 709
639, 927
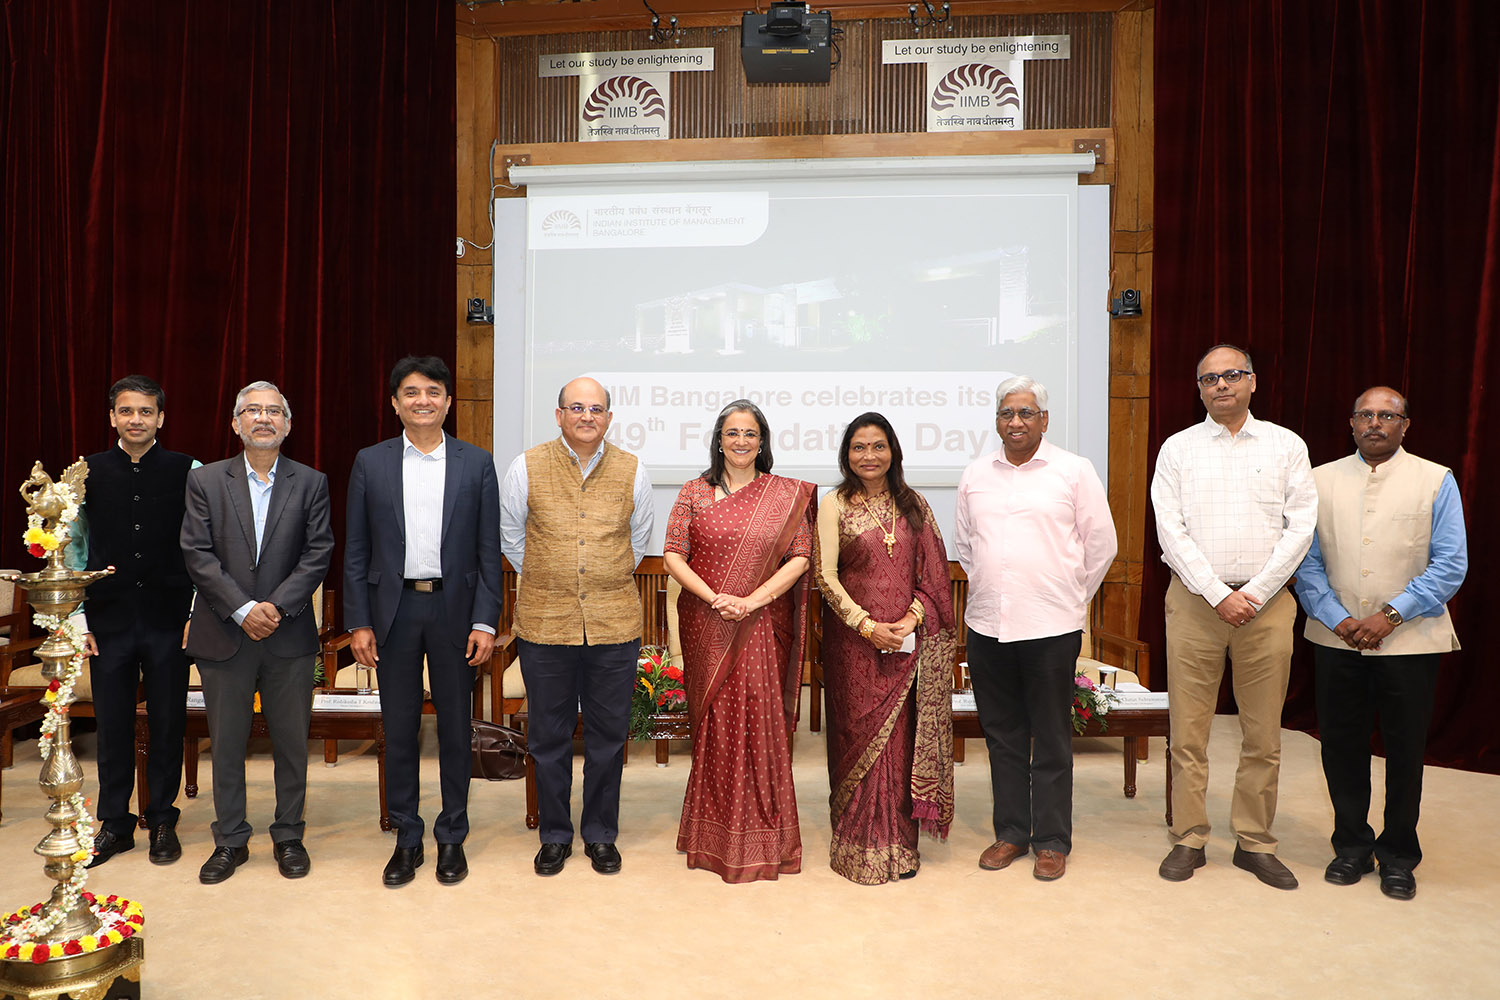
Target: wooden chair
16, 644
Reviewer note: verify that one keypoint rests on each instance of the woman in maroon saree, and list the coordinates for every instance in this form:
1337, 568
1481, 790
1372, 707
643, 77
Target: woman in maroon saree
883, 571
739, 540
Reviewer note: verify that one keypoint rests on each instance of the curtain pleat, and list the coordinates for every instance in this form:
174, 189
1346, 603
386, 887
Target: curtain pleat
212, 194
1328, 196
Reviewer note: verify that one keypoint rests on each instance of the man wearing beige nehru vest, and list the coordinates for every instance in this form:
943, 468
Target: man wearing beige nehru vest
575, 518
1235, 511
1389, 554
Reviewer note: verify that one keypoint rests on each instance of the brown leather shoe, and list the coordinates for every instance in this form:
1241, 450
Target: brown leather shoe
1180, 863
1000, 854
1266, 868
1050, 865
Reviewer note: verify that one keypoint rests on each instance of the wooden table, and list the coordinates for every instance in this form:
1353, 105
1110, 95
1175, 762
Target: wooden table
1133, 724
19, 706
327, 724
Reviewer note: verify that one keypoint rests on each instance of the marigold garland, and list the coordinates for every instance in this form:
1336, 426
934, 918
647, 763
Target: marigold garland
119, 918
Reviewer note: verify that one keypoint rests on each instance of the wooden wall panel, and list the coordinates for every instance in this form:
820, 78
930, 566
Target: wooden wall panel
862, 97
474, 125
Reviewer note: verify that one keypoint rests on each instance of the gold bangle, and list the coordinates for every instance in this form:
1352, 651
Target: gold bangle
867, 627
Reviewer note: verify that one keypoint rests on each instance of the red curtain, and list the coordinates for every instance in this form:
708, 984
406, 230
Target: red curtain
1328, 195
215, 193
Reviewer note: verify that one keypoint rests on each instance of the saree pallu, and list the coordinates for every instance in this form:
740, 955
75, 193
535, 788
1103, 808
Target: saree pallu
739, 815
890, 723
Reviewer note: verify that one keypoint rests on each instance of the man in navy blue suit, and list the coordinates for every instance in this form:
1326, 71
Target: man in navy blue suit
422, 581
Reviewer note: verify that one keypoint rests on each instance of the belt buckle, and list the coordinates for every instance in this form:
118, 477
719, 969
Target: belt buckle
422, 586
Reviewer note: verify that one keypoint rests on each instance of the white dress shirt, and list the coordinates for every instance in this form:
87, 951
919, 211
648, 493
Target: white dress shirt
422, 479
1234, 510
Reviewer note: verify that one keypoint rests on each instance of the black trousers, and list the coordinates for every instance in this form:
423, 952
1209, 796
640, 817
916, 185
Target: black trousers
561, 682
1354, 692
126, 659
1023, 691
419, 631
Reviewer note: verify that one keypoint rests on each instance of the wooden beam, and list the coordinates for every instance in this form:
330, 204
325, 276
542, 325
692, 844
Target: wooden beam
474, 354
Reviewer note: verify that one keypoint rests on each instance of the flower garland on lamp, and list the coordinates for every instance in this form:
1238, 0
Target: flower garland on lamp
39, 541
119, 919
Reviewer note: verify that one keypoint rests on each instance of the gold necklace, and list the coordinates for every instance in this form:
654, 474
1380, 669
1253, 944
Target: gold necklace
890, 533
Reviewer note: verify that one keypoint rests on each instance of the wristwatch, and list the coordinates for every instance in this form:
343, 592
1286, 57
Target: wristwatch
1391, 615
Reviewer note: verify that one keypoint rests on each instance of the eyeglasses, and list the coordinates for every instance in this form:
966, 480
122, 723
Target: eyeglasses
578, 410
1026, 413
737, 435
254, 412
1386, 417
1210, 379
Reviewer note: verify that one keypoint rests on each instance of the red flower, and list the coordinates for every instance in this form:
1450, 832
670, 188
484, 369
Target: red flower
40, 954
1087, 714
673, 673
54, 686
14, 951
661, 699
72, 948
36, 550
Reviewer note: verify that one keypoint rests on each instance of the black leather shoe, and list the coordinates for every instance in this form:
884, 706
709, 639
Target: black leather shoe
605, 857
1398, 883
222, 863
165, 847
291, 858
550, 859
402, 867
107, 845
1344, 870
452, 867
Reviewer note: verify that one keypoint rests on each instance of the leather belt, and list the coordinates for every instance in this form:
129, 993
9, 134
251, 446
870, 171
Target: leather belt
423, 586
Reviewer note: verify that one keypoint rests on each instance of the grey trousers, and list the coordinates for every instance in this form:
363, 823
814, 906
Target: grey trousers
229, 687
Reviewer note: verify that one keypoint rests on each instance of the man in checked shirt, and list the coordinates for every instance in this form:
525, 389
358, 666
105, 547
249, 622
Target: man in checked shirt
1236, 507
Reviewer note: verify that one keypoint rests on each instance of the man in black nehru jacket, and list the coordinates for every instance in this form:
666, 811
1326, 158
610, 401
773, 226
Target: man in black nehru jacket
133, 507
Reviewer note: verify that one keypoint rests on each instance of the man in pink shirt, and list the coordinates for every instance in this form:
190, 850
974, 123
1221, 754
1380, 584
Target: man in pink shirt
1034, 533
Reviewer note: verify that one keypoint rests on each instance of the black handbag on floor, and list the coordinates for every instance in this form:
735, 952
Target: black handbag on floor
499, 751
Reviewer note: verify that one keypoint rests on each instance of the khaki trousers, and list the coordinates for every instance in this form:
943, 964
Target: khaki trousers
1197, 641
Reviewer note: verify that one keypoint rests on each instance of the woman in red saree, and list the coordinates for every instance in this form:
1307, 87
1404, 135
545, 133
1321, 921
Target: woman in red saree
739, 540
884, 575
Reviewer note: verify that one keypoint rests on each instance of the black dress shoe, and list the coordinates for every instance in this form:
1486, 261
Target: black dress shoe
291, 858
452, 868
107, 845
222, 863
1398, 883
402, 867
165, 847
605, 857
550, 859
1344, 870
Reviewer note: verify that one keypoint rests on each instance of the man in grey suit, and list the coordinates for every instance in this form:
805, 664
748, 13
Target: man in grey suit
256, 539
422, 584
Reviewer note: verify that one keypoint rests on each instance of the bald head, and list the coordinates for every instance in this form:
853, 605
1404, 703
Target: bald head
569, 393
1382, 397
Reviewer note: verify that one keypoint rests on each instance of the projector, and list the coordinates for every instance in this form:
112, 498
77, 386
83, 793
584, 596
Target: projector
787, 44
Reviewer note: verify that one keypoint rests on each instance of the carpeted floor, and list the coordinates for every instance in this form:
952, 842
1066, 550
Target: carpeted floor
1109, 928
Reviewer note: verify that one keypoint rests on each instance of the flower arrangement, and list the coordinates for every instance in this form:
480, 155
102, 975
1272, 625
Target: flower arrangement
658, 688
118, 919
1091, 701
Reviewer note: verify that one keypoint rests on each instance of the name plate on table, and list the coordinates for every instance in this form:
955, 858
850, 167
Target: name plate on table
195, 699
346, 703
1141, 699
963, 701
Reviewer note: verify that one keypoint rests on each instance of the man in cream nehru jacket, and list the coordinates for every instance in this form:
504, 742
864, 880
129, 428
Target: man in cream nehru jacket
1389, 554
